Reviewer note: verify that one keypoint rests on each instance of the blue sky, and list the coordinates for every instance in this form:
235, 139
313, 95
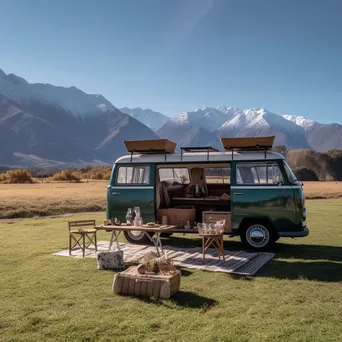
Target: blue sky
179, 55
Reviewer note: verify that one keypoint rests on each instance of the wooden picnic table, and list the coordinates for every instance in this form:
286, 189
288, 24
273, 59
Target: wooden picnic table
155, 238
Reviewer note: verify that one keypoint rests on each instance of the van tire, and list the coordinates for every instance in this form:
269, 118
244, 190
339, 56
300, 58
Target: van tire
137, 238
258, 235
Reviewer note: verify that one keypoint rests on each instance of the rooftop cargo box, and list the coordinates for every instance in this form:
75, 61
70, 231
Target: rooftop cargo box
150, 146
247, 143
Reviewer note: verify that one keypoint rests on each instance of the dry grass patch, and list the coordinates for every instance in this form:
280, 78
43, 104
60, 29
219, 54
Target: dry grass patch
29, 200
322, 190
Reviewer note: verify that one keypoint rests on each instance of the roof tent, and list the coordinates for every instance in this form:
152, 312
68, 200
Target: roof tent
150, 146
248, 144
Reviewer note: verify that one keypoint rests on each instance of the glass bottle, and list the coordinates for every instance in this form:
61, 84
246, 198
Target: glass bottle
129, 217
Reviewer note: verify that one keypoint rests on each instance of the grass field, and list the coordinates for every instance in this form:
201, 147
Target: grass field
30, 200
295, 297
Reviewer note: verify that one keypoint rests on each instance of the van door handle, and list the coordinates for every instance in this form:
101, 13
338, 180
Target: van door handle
238, 193
116, 193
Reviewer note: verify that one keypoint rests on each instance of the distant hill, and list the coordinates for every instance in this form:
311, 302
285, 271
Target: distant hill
326, 166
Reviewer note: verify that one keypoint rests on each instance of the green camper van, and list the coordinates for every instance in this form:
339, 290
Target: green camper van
248, 186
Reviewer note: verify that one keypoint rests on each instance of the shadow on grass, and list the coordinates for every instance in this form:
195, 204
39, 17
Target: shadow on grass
292, 261
184, 299
308, 252
282, 250
184, 271
326, 271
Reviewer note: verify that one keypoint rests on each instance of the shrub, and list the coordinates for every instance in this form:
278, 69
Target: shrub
3, 177
66, 175
18, 176
107, 175
97, 175
305, 174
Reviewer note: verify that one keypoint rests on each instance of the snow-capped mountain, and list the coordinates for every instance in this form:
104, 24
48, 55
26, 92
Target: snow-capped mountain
41, 124
256, 122
148, 117
293, 131
300, 121
74, 101
206, 117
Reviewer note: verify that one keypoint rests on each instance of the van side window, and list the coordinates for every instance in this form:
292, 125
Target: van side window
137, 174
259, 173
179, 175
216, 175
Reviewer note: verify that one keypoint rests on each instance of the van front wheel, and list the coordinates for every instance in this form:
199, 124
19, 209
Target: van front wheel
257, 236
136, 236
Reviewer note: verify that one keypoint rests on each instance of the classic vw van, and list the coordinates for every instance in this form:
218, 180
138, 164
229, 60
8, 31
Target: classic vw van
248, 186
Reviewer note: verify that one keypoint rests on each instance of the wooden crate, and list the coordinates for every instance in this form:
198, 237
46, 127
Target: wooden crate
213, 216
150, 145
175, 216
130, 282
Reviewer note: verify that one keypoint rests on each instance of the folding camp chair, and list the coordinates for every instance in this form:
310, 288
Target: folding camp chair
82, 238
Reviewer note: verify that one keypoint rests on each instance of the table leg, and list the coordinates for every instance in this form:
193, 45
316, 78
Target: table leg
114, 238
159, 243
156, 241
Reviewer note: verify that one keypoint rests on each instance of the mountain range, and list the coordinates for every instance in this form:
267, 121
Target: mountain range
292, 131
46, 125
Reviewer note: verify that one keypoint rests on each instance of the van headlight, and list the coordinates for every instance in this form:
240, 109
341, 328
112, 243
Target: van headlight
304, 218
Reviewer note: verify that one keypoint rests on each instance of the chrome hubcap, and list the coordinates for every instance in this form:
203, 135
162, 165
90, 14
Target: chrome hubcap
135, 234
257, 236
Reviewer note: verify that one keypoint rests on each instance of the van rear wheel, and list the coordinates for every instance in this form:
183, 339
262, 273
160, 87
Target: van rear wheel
257, 236
136, 236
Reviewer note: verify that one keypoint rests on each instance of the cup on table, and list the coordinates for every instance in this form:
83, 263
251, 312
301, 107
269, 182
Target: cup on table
164, 220
106, 222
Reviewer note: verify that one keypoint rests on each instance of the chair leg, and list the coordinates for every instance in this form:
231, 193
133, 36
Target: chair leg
69, 244
95, 238
83, 245
203, 249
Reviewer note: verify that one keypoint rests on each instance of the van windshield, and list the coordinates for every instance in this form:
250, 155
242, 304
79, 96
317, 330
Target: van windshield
290, 175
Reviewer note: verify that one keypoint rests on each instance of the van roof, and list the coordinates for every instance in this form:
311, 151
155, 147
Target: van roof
199, 157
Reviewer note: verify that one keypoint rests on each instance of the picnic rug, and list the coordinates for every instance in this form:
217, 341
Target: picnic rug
237, 262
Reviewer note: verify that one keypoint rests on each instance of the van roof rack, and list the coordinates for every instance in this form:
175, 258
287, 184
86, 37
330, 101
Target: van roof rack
248, 144
198, 149
154, 146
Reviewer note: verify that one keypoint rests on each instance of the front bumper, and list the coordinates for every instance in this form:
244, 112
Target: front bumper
300, 233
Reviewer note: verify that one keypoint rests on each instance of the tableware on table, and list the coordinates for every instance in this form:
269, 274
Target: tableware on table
164, 220
151, 224
129, 217
202, 228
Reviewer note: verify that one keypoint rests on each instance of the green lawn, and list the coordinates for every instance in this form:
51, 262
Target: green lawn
295, 297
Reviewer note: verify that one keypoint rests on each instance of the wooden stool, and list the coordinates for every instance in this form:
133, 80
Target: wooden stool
82, 238
215, 240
